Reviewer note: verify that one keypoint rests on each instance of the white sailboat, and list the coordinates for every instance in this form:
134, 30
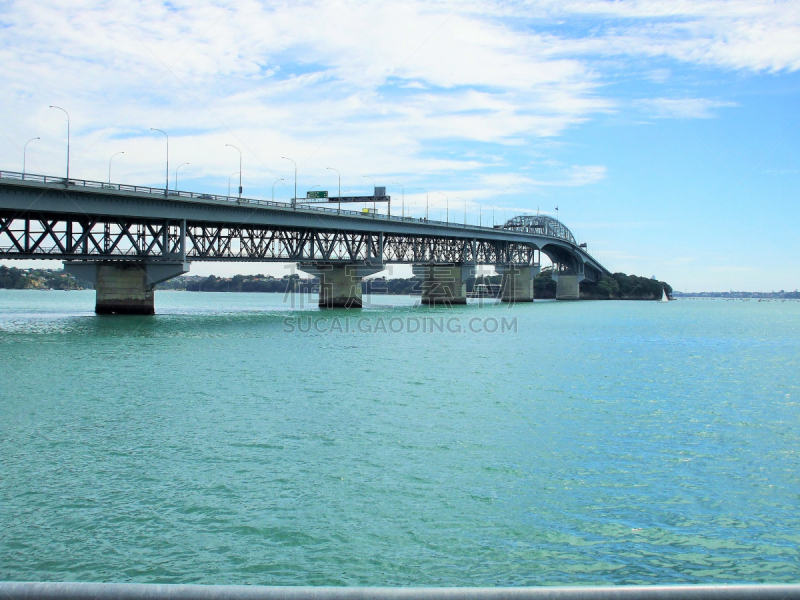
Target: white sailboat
664, 295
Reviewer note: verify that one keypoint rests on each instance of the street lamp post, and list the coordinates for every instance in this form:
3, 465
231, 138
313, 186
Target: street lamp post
109, 164
447, 200
373, 193
403, 205
176, 174
229, 183
426, 202
66, 113
338, 210
294, 200
240, 169
480, 215
166, 186
24, 149
273, 187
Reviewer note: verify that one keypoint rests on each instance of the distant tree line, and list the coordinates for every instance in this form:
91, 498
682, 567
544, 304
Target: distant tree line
238, 283
396, 287
12, 278
782, 294
617, 286
544, 285
287, 283
620, 286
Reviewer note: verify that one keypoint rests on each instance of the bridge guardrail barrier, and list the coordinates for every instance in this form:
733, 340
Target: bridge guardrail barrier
121, 187
132, 591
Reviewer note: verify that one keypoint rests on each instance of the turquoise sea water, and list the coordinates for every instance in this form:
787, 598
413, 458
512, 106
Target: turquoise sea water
599, 443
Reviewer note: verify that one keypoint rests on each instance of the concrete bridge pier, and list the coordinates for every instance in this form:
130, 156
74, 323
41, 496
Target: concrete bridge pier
340, 283
517, 283
125, 288
568, 287
444, 284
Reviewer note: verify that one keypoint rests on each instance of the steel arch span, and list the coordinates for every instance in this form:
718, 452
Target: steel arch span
556, 241
541, 225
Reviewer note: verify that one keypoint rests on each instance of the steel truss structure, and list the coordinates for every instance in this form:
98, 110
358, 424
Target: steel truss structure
540, 225
54, 236
59, 236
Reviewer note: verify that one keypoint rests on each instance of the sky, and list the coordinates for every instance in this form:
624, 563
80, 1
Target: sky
667, 133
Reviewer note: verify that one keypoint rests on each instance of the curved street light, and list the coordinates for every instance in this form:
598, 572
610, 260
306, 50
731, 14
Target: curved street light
166, 185
426, 202
294, 200
373, 183
240, 168
373, 193
176, 174
229, 183
447, 199
109, 165
340, 179
465, 209
24, 149
273, 187
403, 204
340, 188
66, 113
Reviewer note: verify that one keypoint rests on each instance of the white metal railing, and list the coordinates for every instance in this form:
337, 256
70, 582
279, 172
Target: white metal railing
121, 187
133, 591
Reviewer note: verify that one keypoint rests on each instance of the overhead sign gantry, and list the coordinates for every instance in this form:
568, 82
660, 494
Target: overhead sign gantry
321, 197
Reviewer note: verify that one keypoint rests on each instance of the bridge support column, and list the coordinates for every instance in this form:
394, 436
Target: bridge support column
517, 283
444, 284
340, 283
123, 288
568, 287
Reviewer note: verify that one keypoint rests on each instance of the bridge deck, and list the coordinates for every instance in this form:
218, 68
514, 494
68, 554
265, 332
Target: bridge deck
184, 200
229, 228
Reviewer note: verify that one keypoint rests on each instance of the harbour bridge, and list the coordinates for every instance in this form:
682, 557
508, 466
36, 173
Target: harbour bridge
125, 239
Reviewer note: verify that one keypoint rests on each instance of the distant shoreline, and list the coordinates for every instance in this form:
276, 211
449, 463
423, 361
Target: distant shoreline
795, 295
675, 295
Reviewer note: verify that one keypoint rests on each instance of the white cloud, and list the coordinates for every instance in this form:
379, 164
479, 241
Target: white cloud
367, 83
754, 35
585, 175
368, 87
682, 108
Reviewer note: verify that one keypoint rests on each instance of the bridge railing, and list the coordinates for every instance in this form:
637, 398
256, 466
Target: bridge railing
121, 187
134, 591
140, 189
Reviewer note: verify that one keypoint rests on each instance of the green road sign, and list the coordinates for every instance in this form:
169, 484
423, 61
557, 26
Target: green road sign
317, 194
